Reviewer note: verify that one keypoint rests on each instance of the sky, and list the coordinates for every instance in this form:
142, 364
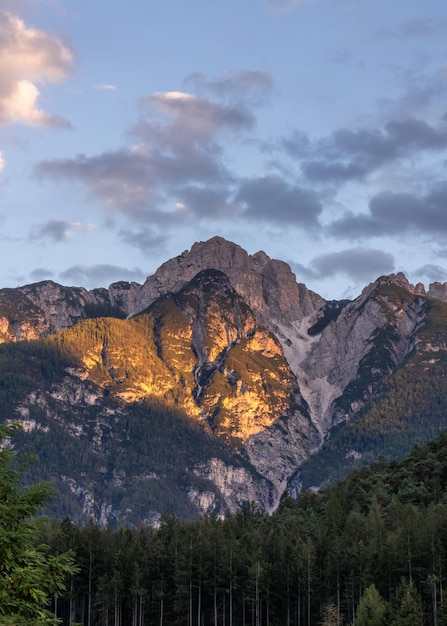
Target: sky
314, 130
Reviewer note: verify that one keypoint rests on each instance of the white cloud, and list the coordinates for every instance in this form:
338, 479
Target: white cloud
106, 87
2, 161
28, 57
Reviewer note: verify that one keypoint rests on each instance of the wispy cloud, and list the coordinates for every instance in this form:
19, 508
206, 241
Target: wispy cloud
100, 274
106, 87
425, 26
284, 6
253, 86
58, 230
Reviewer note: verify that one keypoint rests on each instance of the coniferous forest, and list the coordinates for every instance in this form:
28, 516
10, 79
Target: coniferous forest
371, 550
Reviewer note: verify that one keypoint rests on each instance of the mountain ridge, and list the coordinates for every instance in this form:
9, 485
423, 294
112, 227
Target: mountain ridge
231, 342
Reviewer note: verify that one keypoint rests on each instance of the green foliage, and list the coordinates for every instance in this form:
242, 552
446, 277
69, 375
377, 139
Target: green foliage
409, 610
371, 610
28, 573
340, 556
411, 409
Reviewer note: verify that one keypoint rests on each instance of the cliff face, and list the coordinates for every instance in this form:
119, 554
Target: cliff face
260, 367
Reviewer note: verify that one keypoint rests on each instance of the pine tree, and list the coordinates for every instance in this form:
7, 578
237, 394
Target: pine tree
409, 611
29, 575
372, 609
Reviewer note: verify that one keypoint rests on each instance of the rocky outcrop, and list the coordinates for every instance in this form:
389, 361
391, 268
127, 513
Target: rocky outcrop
237, 486
438, 290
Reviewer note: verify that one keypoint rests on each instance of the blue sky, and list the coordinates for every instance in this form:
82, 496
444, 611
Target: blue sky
315, 130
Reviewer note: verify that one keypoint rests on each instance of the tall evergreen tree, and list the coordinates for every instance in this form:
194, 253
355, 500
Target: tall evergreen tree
409, 610
372, 610
29, 575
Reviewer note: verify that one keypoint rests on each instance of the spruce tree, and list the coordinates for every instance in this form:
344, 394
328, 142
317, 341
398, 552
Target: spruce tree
29, 575
409, 611
372, 610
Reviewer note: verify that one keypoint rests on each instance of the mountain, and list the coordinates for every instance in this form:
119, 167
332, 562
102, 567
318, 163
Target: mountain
219, 381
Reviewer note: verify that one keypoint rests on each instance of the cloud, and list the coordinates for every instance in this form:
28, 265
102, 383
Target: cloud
106, 87
2, 161
206, 202
146, 239
414, 28
421, 93
431, 271
253, 86
58, 230
348, 155
272, 199
123, 179
176, 147
101, 274
393, 213
284, 6
191, 119
358, 264
41, 273
29, 57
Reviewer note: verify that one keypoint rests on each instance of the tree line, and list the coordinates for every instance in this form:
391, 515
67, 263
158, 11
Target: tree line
372, 550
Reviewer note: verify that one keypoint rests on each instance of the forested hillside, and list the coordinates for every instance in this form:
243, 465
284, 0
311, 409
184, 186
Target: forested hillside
371, 550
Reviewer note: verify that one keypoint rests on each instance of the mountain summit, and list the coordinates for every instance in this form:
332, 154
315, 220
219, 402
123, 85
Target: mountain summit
219, 381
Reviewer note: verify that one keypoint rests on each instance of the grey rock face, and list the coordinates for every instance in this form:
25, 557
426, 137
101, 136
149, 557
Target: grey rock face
336, 358
269, 287
438, 291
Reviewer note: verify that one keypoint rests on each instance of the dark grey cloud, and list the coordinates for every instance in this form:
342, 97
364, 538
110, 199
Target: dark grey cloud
207, 202
349, 154
360, 264
55, 230
100, 275
393, 213
253, 86
272, 199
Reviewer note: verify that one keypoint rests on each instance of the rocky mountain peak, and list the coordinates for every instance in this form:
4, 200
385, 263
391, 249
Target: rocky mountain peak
438, 290
268, 286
